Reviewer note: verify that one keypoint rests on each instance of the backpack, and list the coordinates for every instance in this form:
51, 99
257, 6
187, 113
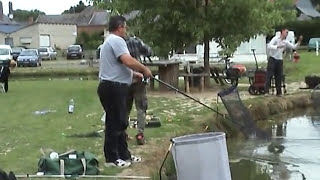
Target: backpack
69, 163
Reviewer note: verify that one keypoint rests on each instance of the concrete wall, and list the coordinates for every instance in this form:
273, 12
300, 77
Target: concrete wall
27, 32
243, 54
2, 37
61, 35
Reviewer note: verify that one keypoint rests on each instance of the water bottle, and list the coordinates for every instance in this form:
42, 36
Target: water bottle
71, 106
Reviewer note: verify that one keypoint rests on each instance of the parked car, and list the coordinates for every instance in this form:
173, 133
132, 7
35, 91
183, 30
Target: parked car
47, 53
75, 51
29, 57
16, 52
312, 44
5, 53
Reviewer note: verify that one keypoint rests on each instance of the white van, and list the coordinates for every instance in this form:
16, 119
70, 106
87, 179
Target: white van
5, 52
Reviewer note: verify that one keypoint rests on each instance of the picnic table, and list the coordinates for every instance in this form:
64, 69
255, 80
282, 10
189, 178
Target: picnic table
168, 72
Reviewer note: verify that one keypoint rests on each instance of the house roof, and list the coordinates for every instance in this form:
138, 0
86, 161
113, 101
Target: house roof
5, 20
99, 18
306, 7
57, 19
89, 16
10, 28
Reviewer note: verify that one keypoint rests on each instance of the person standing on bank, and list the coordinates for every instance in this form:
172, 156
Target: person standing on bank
137, 91
276, 47
116, 74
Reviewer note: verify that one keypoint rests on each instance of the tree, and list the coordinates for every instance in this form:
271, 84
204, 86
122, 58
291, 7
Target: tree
172, 24
90, 41
23, 15
75, 9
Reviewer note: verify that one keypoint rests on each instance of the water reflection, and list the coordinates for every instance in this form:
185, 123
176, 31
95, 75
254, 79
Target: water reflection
292, 154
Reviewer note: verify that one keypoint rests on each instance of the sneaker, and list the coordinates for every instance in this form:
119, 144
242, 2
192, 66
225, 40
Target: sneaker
135, 159
118, 163
279, 95
140, 138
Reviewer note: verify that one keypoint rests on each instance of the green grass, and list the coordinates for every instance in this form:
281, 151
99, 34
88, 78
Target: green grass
308, 65
22, 133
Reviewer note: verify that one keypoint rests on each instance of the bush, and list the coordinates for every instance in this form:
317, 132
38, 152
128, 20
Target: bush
89, 41
308, 29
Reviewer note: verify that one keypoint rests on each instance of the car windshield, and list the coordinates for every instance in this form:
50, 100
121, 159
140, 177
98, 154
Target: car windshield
16, 50
42, 50
4, 52
28, 53
74, 48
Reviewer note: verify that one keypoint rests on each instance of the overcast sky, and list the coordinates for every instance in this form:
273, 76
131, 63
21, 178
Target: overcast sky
47, 6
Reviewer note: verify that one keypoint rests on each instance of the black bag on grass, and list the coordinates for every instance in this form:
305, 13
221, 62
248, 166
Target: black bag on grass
69, 163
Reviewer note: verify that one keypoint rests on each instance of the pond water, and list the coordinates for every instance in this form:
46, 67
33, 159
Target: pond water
292, 154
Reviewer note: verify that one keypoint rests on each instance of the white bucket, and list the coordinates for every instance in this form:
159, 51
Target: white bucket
201, 157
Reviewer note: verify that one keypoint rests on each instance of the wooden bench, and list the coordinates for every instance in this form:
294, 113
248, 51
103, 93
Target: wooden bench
187, 77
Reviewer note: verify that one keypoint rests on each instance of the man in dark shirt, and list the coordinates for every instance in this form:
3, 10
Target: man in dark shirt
137, 90
137, 48
4, 76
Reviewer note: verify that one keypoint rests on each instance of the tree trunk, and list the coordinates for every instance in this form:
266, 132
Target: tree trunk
206, 62
206, 52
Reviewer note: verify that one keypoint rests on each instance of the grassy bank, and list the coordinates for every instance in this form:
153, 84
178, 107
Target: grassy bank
23, 133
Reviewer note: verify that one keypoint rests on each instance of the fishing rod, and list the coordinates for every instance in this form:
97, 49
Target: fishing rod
256, 132
186, 95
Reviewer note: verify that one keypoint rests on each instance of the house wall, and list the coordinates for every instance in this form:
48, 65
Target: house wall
29, 32
2, 37
61, 35
243, 52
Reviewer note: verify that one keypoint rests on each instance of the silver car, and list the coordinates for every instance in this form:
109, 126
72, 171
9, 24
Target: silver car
47, 53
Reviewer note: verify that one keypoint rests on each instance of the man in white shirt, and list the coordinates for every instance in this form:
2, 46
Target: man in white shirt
276, 47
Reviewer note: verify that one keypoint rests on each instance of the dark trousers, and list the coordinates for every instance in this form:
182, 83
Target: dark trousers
274, 68
113, 97
4, 77
138, 94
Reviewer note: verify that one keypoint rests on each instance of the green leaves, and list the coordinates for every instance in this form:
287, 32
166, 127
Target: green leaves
173, 24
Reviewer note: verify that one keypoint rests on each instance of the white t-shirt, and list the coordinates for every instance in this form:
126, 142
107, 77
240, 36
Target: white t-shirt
276, 52
111, 68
